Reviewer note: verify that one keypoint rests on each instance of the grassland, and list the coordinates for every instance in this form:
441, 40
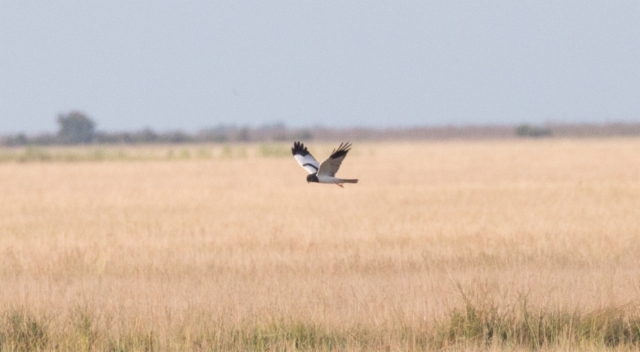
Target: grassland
493, 245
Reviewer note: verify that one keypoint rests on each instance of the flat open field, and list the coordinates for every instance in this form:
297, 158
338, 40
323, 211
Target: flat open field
234, 250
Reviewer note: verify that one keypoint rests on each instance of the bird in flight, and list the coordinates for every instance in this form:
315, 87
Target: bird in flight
325, 172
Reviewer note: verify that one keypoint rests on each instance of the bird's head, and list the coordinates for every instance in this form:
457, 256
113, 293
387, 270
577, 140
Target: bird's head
312, 178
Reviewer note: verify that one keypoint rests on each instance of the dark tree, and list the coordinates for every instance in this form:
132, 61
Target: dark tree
75, 128
147, 136
243, 135
17, 140
526, 130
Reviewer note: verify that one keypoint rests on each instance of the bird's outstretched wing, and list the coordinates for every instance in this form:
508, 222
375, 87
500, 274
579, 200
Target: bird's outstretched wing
304, 158
330, 166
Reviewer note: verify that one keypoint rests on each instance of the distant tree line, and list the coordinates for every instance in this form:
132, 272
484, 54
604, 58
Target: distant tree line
76, 127
526, 130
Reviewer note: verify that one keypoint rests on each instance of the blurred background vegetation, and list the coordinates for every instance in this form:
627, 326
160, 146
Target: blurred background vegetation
76, 127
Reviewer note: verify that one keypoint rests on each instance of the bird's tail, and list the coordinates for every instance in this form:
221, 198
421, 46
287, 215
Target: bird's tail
342, 180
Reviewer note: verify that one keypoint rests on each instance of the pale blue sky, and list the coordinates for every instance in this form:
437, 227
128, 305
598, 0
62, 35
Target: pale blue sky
194, 64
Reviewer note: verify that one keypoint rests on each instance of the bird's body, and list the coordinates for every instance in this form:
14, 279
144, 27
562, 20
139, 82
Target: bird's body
329, 179
325, 172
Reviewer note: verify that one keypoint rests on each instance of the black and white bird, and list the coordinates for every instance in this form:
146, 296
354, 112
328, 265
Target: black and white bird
325, 172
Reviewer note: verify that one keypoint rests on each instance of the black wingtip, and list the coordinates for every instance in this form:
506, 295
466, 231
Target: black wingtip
299, 149
342, 150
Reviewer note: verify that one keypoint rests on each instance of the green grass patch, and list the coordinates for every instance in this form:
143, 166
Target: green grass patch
101, 153
482, 322
477, 325
275, 151
23, 331
105, 154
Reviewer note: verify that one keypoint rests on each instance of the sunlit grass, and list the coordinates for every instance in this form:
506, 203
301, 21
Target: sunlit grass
493, 245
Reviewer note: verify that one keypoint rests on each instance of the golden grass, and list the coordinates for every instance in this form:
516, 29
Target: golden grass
237, 251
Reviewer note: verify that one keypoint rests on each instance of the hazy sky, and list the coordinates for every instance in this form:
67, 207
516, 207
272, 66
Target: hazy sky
194, 64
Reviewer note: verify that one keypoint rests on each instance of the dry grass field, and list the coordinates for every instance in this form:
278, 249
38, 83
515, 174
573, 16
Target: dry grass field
453, 245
